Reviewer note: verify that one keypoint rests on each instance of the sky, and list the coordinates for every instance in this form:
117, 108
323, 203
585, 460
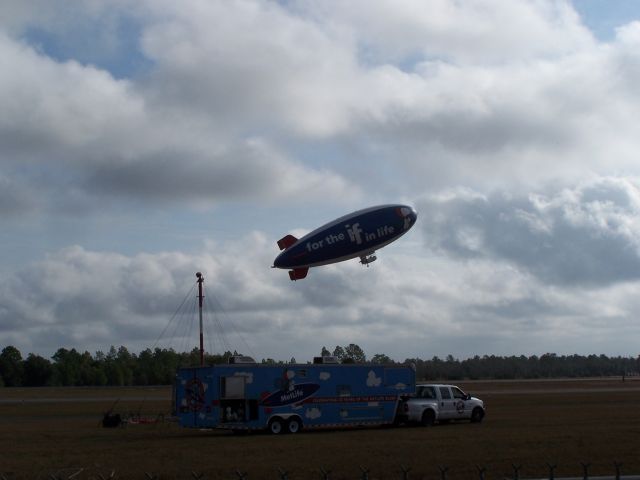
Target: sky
142, 141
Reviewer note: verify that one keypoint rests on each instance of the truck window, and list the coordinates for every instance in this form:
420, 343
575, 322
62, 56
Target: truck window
457, 393
445, 393
427, 392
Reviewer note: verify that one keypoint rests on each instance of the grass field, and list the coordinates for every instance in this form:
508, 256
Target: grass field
56, 431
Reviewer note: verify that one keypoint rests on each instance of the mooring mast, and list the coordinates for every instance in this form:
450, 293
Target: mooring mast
200, 300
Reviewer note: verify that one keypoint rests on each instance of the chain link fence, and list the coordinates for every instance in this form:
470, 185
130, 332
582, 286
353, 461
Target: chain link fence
441, 472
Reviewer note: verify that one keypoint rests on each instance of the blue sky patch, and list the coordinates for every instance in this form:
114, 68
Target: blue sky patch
111, 44
602, 17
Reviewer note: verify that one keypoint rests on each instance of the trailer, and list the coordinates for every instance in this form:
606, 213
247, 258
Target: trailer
287, 398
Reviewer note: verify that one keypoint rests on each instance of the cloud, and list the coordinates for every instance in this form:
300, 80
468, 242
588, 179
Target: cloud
373, 380
15, 198
95, 299
513, 128
221, 116
246, 172
409, 304
104, 138
478, 32
92, 299
313, 413
88, 298
585, 236
282, 70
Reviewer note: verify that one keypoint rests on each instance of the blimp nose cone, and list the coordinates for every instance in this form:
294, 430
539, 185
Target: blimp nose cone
409, 214
413, 214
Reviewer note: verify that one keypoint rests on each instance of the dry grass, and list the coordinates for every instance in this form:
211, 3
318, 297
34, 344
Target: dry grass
528, 423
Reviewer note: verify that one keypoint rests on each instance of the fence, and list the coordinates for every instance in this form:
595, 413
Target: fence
403, 473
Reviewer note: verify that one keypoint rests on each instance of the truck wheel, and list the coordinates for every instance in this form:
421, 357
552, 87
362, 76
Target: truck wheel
275, 426
477, 415
294, 425
428, 418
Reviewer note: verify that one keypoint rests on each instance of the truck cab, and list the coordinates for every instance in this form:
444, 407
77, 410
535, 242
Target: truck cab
441, 403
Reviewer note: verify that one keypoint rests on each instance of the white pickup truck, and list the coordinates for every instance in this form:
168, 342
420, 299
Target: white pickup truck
440, 403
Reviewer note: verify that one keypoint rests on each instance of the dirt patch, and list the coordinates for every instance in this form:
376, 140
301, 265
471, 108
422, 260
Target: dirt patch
528, 423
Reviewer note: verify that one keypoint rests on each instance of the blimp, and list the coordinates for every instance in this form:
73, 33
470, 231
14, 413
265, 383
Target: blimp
358, 234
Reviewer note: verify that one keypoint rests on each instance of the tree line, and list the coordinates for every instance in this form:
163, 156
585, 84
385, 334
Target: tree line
119, 367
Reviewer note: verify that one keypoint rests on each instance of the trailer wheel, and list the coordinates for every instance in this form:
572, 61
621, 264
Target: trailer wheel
294, 425
428, 418
276, 426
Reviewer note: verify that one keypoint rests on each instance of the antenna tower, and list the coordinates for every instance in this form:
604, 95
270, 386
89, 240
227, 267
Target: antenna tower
200, 301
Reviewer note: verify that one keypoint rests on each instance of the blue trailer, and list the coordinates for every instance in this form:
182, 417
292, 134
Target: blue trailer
288, 398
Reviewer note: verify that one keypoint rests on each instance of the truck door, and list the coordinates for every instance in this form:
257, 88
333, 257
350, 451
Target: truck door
447, 405
463, 407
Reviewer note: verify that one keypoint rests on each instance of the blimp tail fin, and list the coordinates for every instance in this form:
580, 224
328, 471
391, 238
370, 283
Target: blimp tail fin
286, 241
298, 273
